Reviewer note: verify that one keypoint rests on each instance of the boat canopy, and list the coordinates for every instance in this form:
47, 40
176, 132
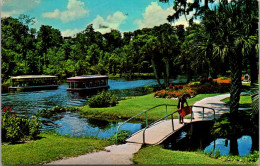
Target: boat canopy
87, 77
31, 77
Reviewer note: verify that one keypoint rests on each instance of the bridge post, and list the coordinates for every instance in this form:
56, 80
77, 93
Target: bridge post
166, 112
191, 115
203, 113
172, 123
146, 120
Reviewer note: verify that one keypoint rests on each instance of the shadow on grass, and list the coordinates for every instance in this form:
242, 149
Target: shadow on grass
22, 141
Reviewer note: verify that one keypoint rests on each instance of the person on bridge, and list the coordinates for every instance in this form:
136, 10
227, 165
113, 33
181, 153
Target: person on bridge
182, 100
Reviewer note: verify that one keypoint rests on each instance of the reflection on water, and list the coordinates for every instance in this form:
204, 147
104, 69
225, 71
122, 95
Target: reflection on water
75, 125
244, 146
198, 136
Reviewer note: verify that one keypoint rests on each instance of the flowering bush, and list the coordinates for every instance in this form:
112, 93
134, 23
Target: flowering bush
192, 90
15, 128
220, 80
175, 94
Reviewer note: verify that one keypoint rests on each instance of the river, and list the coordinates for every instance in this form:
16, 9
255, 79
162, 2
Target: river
28, 103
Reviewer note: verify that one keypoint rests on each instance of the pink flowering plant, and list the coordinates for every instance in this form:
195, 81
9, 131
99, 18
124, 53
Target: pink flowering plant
16, 128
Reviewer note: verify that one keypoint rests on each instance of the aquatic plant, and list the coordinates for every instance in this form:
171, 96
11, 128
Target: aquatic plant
48, 112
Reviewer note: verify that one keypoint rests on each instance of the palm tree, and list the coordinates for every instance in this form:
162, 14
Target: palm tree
226, 26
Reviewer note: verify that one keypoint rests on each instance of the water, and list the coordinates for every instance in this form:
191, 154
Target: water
244, 146
75, 125
198, 137
28, 103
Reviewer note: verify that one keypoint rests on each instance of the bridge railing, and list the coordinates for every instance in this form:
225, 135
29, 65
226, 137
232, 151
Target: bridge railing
146, 117
165, 117
160, 120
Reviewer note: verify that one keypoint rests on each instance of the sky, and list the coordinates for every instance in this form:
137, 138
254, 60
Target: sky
73, 16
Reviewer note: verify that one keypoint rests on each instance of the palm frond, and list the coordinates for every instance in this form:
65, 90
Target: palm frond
255, 98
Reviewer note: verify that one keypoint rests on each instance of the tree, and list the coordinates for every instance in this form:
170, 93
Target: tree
47, 37
184, 7
226, 25
17, 41
161, 46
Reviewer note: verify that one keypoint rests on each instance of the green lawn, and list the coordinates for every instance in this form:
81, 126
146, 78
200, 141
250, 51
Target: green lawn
245, 101
49, 148
156, 155
130, 107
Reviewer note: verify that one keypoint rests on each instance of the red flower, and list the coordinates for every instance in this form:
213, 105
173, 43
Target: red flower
15, 115
7, 109
4, 110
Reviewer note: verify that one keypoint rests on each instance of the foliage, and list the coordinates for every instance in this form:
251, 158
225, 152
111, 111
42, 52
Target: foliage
121, 136
220, 80
211, 88
157, 155
28, 51
103, 99
48, 112
192, 90
223, 128
245, 159
213, 153
175, 93
50, 147
255, 98
15, 128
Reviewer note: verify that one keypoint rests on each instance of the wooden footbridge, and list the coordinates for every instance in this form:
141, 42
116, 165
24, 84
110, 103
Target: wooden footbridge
156, 132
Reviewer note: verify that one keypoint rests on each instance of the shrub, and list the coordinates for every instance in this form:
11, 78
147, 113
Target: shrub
48, 112
193, 89
222, 80
121, 136
16, 128
211, 88
103, 99
248, 158
175, 93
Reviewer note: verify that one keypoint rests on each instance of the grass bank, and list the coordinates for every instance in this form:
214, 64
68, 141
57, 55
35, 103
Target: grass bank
132, 106
244, 102
49, 147
156, 155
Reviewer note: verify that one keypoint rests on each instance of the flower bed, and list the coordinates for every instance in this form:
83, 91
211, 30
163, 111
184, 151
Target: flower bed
176, 92
209, 86
220, 80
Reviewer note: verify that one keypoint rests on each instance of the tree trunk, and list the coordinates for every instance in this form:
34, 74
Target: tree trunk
253, 67
255, 142
235, 90
233, 146
188, 74
155, 73
167, 69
